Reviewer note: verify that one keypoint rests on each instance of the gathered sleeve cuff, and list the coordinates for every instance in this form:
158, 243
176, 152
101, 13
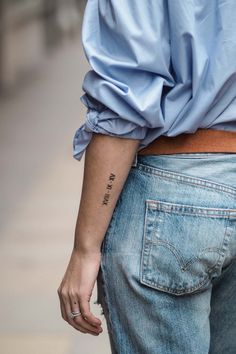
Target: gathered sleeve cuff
100, 119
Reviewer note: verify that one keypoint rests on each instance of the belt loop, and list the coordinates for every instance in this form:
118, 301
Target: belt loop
135, 160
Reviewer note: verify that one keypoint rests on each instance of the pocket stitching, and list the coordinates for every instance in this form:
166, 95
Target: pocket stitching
147, 250
184, 265
182, 178
175, 208
155, 285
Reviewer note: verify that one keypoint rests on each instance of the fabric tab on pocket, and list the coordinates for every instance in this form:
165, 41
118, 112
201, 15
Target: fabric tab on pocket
184, 246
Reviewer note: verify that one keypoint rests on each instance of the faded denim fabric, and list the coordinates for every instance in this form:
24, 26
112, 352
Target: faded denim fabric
167, 280
158, 67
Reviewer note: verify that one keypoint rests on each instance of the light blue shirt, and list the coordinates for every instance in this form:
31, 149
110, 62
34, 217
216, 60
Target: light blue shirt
159, 67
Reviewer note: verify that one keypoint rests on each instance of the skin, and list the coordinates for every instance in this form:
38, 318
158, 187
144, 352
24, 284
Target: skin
108, 160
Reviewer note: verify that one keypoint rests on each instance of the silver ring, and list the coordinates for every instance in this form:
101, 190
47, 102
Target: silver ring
74, 314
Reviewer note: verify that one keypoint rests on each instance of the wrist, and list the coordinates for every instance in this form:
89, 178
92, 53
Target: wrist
86, 248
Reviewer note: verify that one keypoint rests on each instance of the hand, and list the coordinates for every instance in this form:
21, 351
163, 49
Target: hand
76, 289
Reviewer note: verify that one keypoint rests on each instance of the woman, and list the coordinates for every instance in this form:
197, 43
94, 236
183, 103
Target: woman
156, 225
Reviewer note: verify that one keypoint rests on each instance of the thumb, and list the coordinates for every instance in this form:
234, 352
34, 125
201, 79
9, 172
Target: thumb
84, 305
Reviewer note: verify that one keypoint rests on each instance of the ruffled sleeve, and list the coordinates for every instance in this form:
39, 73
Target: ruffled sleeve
100, 119
127, 46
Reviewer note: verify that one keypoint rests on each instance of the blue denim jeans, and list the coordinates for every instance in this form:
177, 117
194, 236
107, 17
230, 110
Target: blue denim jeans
167, 281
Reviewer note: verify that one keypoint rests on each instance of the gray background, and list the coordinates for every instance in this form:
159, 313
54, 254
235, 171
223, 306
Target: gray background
40, 184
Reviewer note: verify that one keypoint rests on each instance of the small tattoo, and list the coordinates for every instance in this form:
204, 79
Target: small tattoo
108, 189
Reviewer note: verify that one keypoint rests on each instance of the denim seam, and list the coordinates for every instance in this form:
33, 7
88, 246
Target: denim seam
224, 245
176, 208
180, 176
190, 180
189, 290
198, 214
144, 246
105, 251
194, 155
206, 279
176, 253
106, 300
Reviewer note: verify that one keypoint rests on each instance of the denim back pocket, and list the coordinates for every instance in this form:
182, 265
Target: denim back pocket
184, 246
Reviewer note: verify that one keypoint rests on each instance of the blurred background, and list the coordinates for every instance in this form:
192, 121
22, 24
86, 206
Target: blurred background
42, 66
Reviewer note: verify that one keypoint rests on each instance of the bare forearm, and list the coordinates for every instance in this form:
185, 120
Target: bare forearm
107, 163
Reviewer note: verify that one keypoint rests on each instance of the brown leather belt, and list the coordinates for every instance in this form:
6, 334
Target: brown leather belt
203, 140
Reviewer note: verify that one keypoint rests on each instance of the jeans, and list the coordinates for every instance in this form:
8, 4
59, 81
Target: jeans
167, 281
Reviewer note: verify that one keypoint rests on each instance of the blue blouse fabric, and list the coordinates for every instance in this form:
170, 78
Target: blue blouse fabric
158, 67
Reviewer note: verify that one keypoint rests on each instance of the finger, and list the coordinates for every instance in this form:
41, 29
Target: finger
79, 320
81, 329
86, 326
68, 310
67, 306
87, 314
63, 311
74, 303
